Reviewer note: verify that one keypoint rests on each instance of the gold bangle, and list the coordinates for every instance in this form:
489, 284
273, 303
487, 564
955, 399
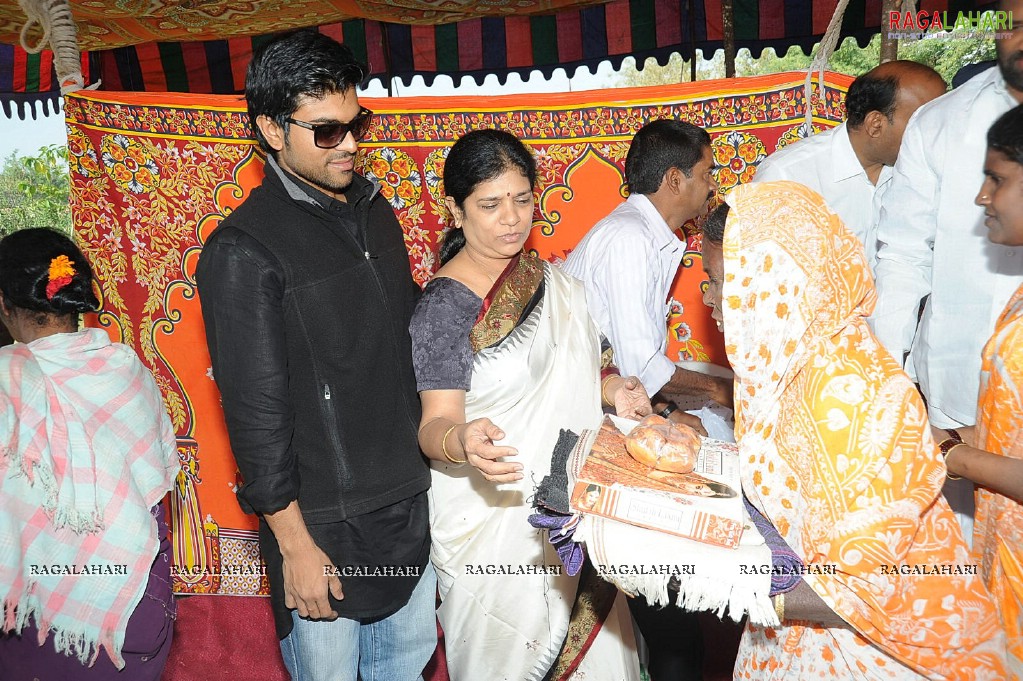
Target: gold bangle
603, 387
945, 453
779, 607
444, 447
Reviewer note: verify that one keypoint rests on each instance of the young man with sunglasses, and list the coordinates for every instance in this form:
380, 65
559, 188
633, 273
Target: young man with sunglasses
306, 293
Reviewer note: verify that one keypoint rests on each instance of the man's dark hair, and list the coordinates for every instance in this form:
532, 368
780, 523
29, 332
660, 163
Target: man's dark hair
714, 225
1006, 135
478, 157
871, 93
660, 146
294, 66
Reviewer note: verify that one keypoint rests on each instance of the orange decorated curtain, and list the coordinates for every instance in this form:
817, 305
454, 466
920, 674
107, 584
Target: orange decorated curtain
152, 175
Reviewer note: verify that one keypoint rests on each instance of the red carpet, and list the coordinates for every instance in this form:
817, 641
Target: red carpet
233, 637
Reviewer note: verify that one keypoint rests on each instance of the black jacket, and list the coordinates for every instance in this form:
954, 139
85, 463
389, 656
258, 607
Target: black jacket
307, 313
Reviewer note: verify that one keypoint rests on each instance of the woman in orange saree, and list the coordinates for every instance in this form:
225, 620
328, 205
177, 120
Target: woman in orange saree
996, 463
838, 456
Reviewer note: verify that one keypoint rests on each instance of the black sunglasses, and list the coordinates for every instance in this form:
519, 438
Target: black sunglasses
329, 135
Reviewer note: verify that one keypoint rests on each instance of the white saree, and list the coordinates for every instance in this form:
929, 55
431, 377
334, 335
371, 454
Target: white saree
506, 607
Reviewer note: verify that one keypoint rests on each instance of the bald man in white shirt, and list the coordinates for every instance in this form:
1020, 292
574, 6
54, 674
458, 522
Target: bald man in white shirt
933, 246
627, 262
851, 165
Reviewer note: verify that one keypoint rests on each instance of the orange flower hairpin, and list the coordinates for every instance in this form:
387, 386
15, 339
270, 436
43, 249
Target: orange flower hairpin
62, 271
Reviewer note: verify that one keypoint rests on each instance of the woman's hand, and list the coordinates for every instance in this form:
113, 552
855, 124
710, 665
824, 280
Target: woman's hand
630, 399
477, 438
687, 419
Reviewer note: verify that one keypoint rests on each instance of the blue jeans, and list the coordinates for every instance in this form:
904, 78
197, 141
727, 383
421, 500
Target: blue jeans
396, 648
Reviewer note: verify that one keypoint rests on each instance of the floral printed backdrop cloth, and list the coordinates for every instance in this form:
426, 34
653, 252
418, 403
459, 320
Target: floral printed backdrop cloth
153, 174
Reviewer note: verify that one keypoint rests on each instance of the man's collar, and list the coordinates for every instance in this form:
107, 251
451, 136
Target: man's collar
998, 81
662, 234
844, 162
299, 190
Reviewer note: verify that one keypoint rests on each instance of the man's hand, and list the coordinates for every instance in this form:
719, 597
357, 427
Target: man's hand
723, 392
308, 572
308, 575
631, 400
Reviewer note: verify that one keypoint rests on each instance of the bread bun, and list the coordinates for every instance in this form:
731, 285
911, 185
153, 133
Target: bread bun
663, 445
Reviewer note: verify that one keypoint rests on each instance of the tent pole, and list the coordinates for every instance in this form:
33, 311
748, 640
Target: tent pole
691, 21
728, 28
889, 45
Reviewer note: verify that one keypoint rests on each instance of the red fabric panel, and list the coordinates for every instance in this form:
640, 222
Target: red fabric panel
772, 18
470, 45
241, 55
871, 12
20, 63
196, 67
570, 38
619, 28
822, 13
519, 41
46, 71
333, 31
152, 67
108, 72
375, 48
424, 48
712, 9
669, 22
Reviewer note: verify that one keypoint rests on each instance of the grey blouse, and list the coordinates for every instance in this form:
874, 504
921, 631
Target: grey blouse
441, 353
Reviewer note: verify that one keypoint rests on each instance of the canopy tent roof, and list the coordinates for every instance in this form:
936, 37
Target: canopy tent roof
204, 45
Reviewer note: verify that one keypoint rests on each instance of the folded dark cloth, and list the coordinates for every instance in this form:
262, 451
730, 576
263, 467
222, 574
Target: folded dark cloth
552, 493
787, 567
552, 508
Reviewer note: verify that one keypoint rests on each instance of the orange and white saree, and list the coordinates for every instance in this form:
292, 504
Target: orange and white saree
998, 528
838, 455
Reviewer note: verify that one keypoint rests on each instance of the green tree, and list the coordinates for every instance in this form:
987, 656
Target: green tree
949, 52
945, 52
34, 191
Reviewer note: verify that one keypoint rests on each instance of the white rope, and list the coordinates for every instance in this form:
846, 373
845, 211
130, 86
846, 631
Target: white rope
59, 34
820, 62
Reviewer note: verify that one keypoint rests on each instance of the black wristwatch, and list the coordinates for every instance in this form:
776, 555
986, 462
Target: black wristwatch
668, 410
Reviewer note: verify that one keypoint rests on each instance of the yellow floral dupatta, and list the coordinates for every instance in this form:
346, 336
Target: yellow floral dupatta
837, 454
998, 530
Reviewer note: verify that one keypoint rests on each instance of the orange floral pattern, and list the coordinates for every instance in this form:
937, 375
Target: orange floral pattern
837, 453
128, 164
737, 155
998, 529
794, 134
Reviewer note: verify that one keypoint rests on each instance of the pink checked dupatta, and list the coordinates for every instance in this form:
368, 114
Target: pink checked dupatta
86, 449
838, 455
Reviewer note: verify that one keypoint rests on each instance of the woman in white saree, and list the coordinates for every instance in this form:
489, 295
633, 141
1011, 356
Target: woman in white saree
505, 352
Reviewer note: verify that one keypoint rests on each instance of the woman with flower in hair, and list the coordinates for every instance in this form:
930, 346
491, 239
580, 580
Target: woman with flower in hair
86, 454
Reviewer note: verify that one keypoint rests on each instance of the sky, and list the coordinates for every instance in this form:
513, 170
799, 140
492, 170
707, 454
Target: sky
26, 136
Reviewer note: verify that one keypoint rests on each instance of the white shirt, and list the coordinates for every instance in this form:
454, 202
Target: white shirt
932, 240
627, 262
827, 164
